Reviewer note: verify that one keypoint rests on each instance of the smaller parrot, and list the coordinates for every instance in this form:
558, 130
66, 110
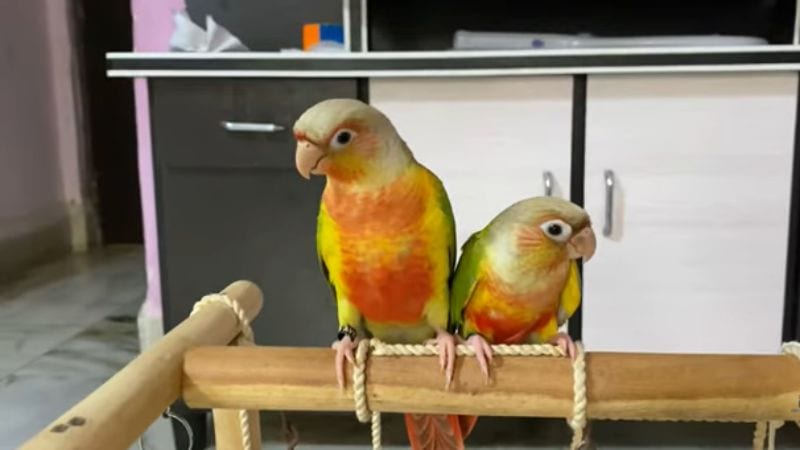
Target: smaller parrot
517, 280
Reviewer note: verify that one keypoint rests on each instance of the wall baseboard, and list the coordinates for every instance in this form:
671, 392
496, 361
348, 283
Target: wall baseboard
84, 226
24, 251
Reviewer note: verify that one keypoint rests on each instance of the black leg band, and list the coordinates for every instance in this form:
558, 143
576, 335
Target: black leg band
347, 331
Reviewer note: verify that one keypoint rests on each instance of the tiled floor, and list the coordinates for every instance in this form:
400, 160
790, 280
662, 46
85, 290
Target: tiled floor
65, 328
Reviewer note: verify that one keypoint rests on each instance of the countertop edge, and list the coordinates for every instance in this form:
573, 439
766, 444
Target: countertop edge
454, 63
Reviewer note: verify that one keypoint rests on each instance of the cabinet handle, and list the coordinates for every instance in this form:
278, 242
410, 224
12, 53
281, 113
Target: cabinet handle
610, 181
252, 127
547, 179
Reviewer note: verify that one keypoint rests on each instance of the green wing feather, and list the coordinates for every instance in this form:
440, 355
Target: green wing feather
450, 223
466, 277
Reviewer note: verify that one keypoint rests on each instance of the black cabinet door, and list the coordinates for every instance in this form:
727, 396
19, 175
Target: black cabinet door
231, 205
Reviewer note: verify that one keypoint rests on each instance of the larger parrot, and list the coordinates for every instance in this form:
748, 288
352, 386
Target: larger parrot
517, 280
385, 240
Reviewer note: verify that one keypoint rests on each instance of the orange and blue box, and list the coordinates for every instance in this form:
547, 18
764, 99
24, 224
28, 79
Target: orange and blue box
314, 33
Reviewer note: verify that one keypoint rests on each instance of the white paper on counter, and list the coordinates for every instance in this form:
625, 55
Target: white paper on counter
189, 37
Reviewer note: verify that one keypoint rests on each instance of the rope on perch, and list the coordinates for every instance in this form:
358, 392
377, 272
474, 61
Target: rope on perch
377, 348
767, 430
764, 431
245, 337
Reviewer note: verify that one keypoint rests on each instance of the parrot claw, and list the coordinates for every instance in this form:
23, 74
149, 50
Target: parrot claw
344, 350
483, 353
565, 343
446, 344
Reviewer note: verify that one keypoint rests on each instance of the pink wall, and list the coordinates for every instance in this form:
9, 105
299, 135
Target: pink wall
31, 190
152, 28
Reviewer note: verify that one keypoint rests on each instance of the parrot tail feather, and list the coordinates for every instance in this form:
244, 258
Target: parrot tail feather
467, 424
438, 432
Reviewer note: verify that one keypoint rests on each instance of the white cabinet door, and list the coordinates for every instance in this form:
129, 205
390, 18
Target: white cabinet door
696, 261
488, 139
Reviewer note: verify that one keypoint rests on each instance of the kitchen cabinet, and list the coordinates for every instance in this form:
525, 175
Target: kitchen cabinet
231, 204
698, 258
695, 260
490, 141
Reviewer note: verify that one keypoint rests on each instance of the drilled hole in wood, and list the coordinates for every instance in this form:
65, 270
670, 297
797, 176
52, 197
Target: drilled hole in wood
77, 421
60, 428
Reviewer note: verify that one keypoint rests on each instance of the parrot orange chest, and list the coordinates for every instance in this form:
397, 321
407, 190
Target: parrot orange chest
510, 317
386, 264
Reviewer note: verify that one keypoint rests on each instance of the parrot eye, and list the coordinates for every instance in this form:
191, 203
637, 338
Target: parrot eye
341, 139
557, 230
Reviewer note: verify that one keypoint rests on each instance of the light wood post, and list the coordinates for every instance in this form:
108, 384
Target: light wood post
119, 411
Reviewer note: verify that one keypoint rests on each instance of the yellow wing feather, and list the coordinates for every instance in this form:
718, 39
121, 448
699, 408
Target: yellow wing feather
570, 295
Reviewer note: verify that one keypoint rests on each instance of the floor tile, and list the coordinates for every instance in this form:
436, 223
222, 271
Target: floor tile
75, 292
22, 343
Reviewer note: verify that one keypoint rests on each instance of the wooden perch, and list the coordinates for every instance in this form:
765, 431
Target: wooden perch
620, 386
118, 412
226, 379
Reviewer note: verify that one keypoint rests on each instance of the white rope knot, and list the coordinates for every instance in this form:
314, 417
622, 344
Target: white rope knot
363, 413
359, 382
245, 331
578, 420
767, 430
245, 337
377, 348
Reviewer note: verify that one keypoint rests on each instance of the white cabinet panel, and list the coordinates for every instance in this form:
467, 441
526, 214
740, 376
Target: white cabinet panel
488, 139
696, 261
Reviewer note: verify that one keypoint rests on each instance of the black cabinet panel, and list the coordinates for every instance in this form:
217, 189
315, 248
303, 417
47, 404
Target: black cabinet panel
427, 25
231, 205
260, 225
191, 113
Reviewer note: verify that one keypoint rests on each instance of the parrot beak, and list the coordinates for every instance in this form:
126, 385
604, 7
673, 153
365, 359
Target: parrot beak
308, 159
582, 244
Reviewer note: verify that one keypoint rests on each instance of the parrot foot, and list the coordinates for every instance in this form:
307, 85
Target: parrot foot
483, 353
344, 350
446, 344
565, 343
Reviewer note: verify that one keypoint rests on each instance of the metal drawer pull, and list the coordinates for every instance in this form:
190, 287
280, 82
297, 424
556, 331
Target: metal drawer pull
252, 127
609, 180
547, 178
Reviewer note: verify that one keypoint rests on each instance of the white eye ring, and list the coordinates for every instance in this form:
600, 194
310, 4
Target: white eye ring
342, 139
557, 230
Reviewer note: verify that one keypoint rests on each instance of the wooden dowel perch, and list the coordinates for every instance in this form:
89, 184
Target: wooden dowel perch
620, 386
118, 412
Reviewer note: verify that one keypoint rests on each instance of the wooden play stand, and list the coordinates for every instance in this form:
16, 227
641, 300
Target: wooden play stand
192, 362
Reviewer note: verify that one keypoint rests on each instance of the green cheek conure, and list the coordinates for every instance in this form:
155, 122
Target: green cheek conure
385, 240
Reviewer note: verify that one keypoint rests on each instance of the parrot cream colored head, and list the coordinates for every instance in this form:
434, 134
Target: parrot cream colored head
544, 231
349, 141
